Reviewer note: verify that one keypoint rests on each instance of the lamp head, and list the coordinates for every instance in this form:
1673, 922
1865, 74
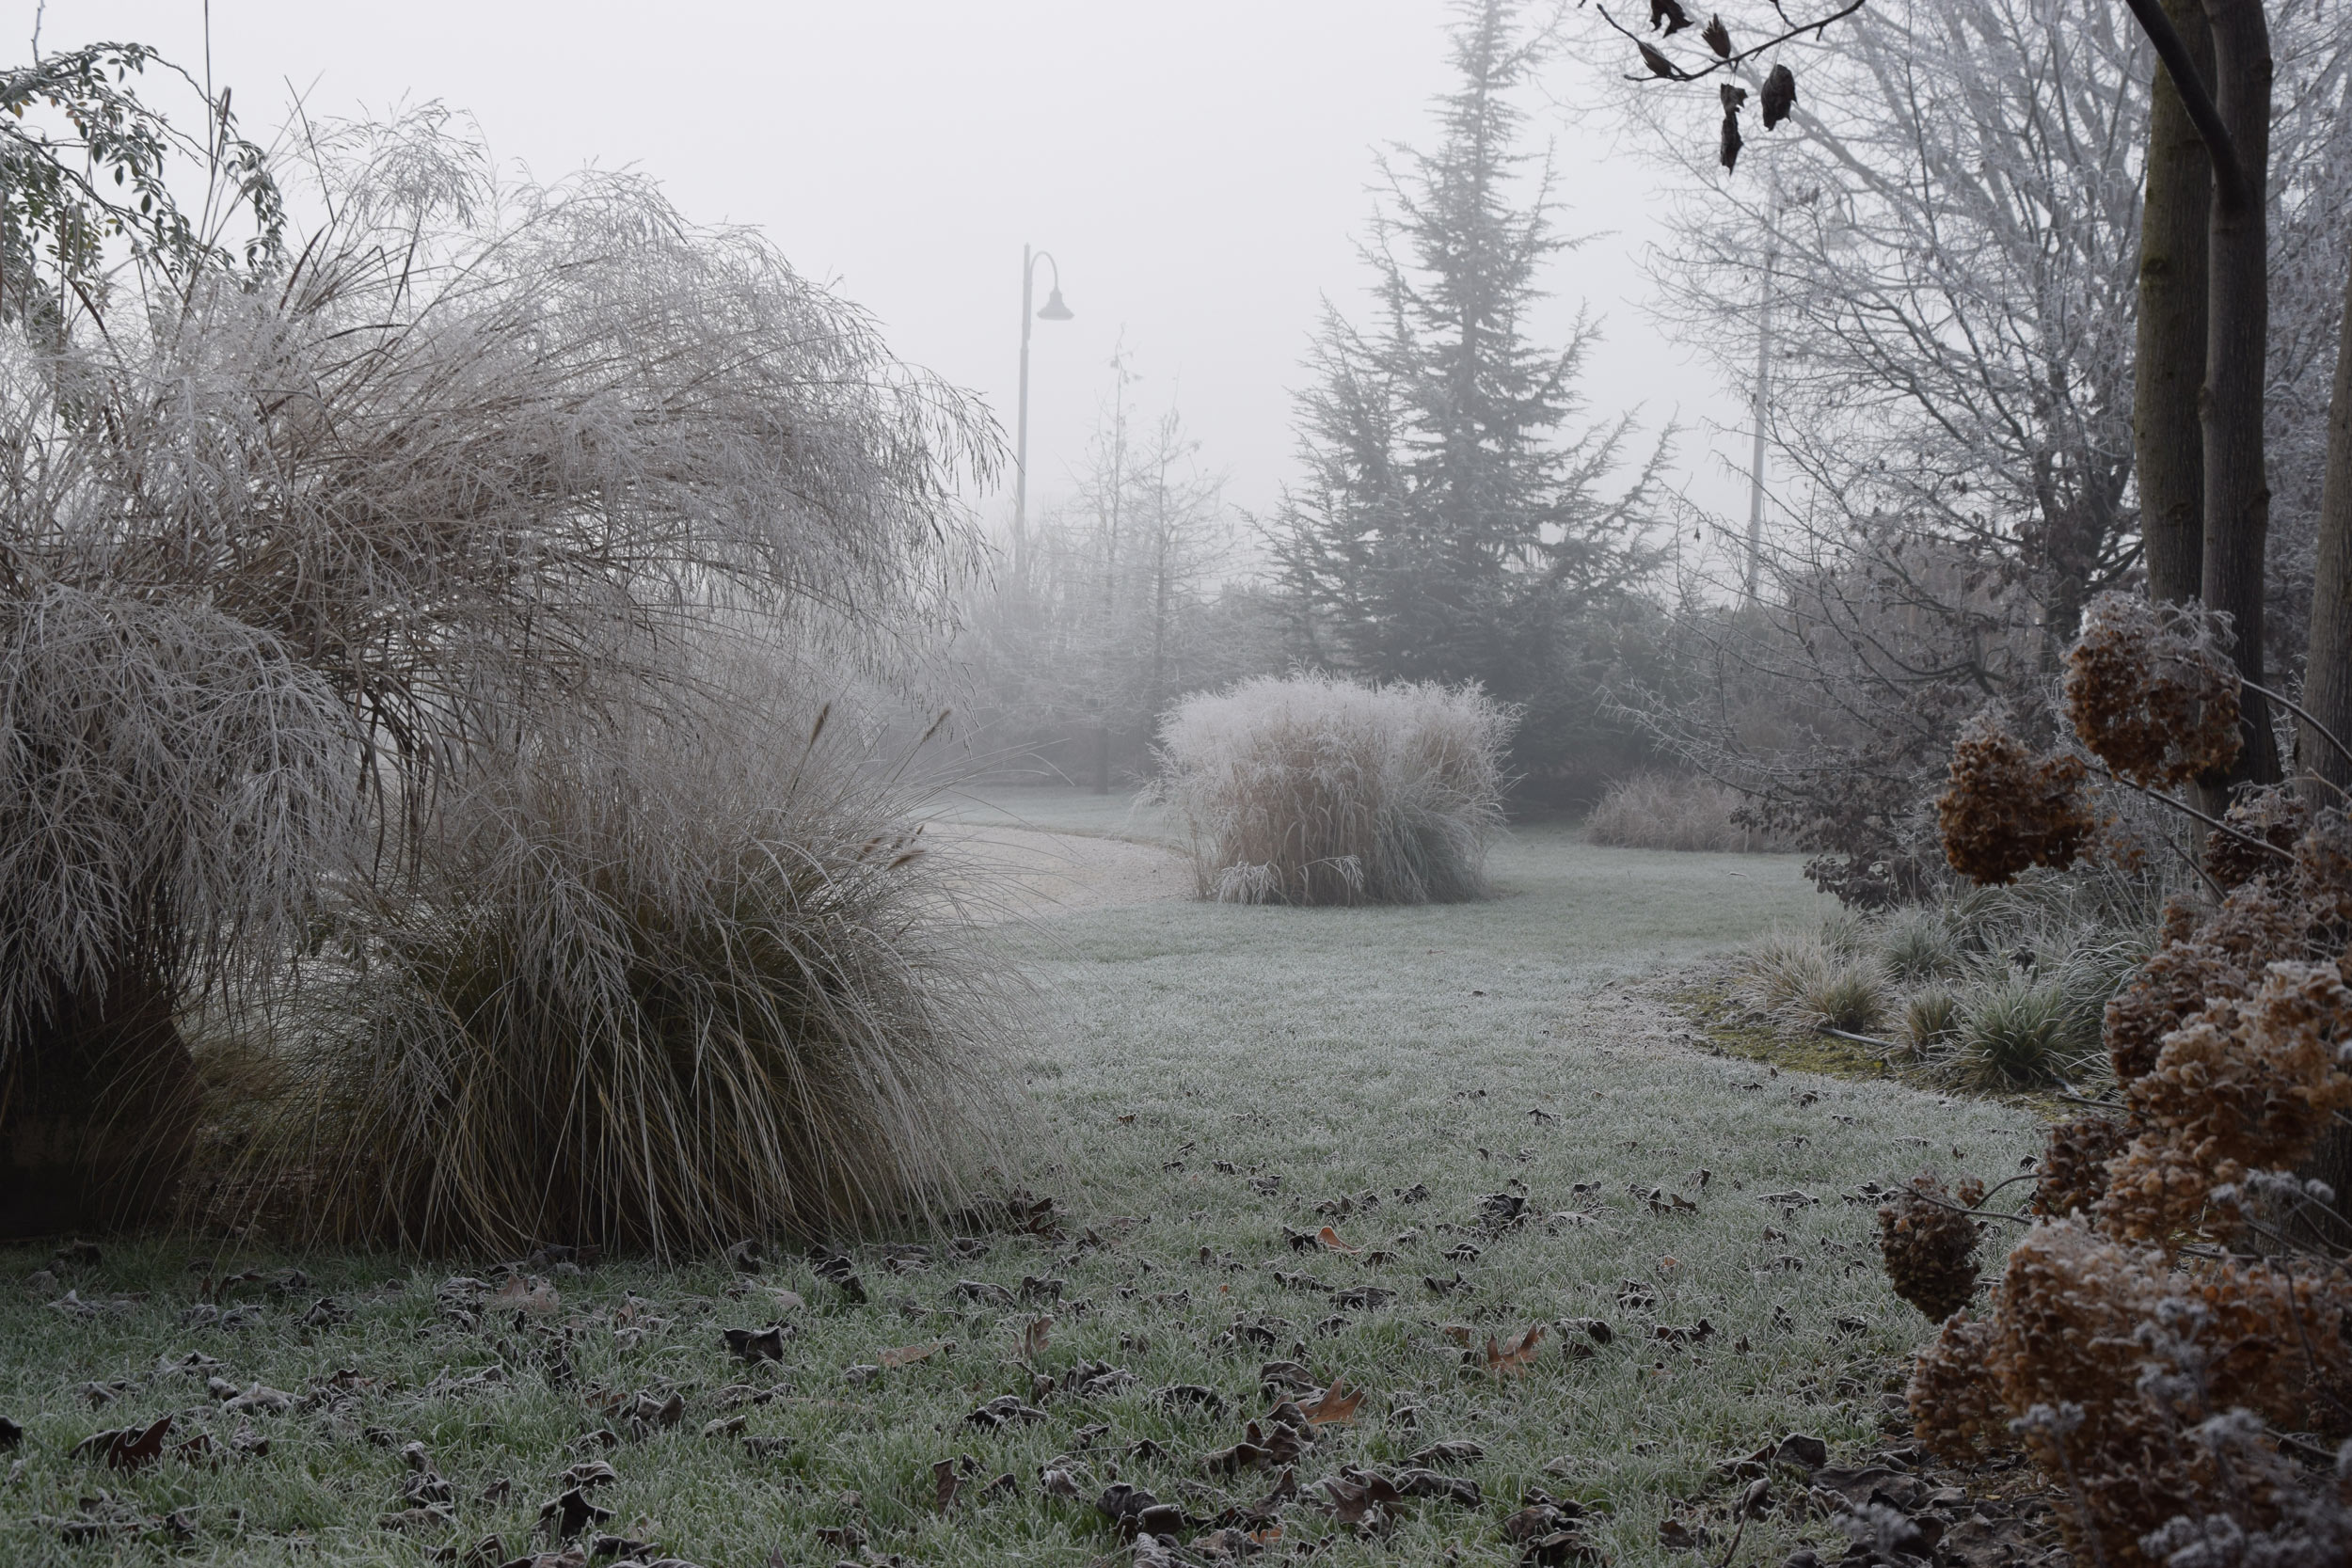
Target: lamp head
1054, 310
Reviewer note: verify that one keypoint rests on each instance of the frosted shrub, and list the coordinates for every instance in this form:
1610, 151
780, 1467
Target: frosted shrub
1670, 811
1311, 790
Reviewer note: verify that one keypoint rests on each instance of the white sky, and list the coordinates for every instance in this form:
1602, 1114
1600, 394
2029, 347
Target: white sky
1198, 166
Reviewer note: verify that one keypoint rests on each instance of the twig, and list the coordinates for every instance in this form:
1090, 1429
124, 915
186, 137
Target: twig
1743, 56
2301, 712
2214, 823
1858, 1039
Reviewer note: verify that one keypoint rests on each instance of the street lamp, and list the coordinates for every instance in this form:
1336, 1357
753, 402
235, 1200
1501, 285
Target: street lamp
1054, 310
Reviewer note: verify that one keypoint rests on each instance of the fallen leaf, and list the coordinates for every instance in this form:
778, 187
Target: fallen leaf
126, 1448
1033, 1337
572, 1512
1516, 1354
1334, 1404
1331, 1238
756, 1344
526, 1293
946, 1483
910, 1354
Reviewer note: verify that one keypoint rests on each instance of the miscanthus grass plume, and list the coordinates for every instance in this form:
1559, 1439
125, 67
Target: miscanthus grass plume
1314, 790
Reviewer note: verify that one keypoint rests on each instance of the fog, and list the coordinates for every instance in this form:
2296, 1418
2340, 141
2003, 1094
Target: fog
1201, 173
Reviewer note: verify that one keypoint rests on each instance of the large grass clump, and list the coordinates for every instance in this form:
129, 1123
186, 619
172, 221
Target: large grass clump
387, 579
1672, 811
1313, 790
656, 989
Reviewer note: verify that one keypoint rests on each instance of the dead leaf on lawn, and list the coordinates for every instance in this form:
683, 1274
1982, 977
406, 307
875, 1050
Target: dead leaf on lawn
1033, 1337
1331, 1238
1334, 1404
526, 1293
1516, 1354
910, 1354
126, 1448
946, 1483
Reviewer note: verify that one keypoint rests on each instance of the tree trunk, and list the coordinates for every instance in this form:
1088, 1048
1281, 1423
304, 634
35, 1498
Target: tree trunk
2325, 772
2238, 489
2171, 366
1101, 759
98, 1109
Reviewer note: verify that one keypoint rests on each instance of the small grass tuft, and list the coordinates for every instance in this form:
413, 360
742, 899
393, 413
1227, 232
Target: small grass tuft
2015, 1033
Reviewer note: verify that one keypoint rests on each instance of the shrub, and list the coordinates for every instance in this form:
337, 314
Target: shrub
173, 786
1312, 790
308, 547
1672, 811
2012, 1034
661, 990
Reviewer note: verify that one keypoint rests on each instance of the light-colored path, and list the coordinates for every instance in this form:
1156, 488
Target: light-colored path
1028, 872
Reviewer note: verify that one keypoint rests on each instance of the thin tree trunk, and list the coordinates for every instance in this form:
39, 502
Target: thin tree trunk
2238, 489
2171, 367
2327, 772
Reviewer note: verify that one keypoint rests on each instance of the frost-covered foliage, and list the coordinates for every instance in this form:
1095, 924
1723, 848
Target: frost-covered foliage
1672, 811
668, 984
2183, 1299
1313, 790
429, 526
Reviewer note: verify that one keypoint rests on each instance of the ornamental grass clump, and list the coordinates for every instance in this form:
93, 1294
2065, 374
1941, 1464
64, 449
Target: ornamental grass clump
660, 990
1314, 790
322, 573
1674, 810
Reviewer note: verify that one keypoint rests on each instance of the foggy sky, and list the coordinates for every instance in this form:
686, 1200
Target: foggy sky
1199, 169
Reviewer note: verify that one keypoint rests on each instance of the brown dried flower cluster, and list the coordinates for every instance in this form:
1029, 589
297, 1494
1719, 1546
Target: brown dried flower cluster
2323, 870
2149, 691
2073, 1175
2137, 1374
2223, 959
2115, 1360
2246, 1085
1929, 1247
2274, 816
1956, 1407
2003, 809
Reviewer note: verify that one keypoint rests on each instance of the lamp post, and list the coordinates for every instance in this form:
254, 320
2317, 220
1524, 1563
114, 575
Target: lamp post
1054, 311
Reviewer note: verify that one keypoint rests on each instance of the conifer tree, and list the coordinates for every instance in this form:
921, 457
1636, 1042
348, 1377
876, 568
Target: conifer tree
1450, 526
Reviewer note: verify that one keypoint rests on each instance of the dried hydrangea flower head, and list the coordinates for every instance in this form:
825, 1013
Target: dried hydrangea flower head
2245, 1087
1929, 1247
2151, 691
2073, 1175
2003, 809
2275, 817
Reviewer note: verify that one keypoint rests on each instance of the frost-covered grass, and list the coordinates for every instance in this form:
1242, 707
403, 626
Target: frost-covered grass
1345, 1051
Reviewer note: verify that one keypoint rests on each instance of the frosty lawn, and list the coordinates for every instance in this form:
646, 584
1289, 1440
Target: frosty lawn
1501, 1048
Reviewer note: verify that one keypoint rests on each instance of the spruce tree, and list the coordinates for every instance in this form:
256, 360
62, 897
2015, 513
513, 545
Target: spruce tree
1449, 527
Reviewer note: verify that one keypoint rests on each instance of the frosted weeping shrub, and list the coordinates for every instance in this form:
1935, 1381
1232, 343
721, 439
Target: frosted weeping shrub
1312, 790
309, 559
